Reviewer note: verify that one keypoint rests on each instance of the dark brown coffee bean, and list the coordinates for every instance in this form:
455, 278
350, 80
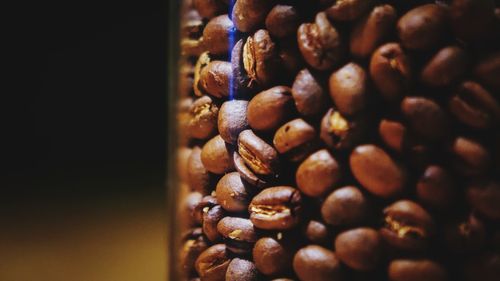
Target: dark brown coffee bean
346, 206
192, 24
408, 226
474, 106
295, 139
416, 270
269, 109
485, 197
282, 21
320, 43
246, 173
216, 35
242, 270
316, 232
271, 256
446, 67
349, 88
203, 118
182, 163
207, 201
212, 264
276, 208
248, 15
209, 8
217, 156
359, 248
435, 188
391, 71
487, 71
342, 133
470, 157
423, 27
241, 81
377, 171
215, 78
291, 58
392, 134
425, 117
232, 193
203, 60
188, 206
260, 59
232, 120
194, 244
259, 156
347, 10
198, 176
483, 267
310, 98
238, 233
372, 30
315, 263
318, 174
211, 217
471, 19
465, 236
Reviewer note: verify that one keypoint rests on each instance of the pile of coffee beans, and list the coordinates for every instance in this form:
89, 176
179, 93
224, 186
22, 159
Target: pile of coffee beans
340, 140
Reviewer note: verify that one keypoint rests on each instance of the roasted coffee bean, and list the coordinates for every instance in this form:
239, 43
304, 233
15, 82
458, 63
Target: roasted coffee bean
182, 163
241, 81
470, 157
407, 227
215, 78
276, 208
446, 67
425, 117
423, 27
210, 8
390, 70
392, 134
188, 205
238, 234
474, 106
317, 263
359, 248
246, 173
211, 217
320, 43
242, 270
192, 24
217, 156
203, 118
248, 15
194, 244
282, 21
201, 208
192, 47
203, 60
269, 109
372, 30
198, 176
346, 206
341, 133
260, 59
435, 188
291, 58
347, 10
295, 139
317, 232
377, 171
217, 33
260, 157
271, 256
485, 267
349, 89
310, 97
471, 19
212, 264
318, 174
232, 193
232, 120
484, 197
487, 71
416, 270
465, 236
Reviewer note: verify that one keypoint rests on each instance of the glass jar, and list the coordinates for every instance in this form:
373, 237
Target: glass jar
334, 140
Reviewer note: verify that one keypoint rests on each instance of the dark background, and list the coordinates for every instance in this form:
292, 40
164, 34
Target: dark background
84, 125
